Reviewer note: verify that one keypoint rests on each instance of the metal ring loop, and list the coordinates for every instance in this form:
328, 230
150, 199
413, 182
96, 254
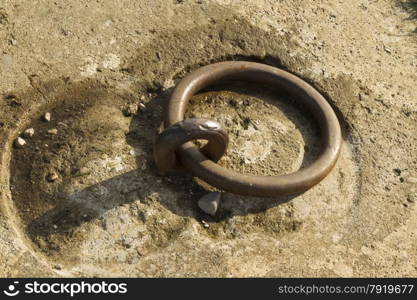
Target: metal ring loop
188, 130
266, 186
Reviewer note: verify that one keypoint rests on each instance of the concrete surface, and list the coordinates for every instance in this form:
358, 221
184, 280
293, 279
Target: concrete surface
84, 199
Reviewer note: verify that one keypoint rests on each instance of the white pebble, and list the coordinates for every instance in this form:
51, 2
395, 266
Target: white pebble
53, 131
47, 116
19, 142
29, 132
209, 203
205, 224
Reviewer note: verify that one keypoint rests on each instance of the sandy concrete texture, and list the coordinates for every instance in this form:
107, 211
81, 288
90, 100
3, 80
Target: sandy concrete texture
82, 197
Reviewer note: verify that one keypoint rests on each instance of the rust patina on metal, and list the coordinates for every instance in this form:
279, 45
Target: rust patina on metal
174, 147
188, 130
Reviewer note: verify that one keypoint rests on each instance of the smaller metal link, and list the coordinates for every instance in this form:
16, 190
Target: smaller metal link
184, 131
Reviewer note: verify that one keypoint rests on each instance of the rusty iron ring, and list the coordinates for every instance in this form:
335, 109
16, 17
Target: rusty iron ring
201, 166
188, 130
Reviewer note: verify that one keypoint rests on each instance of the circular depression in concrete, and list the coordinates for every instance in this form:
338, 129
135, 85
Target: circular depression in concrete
89, 201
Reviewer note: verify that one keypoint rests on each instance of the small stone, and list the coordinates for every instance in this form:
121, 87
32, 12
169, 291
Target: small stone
19, 142
57, 267
209, 203
141, 251
53, 131
205, 224
47, 116
130, 110
29, 132
55, 226
411, 179
412, 198
51, 177
142, 106
361, 96
84, 171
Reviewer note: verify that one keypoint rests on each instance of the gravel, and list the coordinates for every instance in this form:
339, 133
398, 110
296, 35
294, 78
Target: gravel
30, 132
19, 142
47, 117
52, 176
209, 203
53, 131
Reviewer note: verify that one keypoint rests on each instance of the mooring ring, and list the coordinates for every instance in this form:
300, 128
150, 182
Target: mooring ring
265, 186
